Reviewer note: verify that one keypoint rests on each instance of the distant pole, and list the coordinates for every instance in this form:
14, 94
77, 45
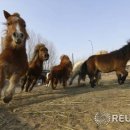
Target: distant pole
91, 45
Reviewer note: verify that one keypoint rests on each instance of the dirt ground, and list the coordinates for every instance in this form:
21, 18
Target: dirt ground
73, 108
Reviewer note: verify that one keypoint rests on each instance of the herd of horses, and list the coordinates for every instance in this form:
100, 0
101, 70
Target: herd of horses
15, 67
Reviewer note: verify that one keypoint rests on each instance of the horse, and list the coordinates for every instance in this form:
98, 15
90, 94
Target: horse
113, 61
77, 69
13, 59
61, 73
76, 72
35, 67
44, 76
101, 52
48, 82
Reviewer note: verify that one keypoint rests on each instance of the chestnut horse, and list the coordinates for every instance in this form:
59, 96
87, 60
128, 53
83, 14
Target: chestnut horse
113, 61
35, 67
61, 72
13, 59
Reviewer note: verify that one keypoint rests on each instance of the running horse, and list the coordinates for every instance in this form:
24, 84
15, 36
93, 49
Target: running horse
13, 59
60, 73
35, 67
113, 61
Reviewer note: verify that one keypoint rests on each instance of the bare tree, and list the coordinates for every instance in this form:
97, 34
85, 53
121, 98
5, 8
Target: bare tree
37, 38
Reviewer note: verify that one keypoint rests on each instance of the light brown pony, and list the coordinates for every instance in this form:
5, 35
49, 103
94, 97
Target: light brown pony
113, 61
13, 59
61, 72
35, 67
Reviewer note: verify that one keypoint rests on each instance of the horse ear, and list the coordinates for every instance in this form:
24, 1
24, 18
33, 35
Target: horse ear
6, 14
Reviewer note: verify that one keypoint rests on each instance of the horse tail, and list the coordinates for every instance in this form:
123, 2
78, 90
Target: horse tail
84, 69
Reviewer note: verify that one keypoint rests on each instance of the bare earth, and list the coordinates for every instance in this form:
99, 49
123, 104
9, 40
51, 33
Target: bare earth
73, 108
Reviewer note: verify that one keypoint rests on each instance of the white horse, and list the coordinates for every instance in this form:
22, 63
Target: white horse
48, 82
101, 52
76, 72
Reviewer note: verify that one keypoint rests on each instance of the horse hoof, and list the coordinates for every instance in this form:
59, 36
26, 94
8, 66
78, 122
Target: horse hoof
54, 88
121, 83
70, 83
7, 99
26, 90
64, 87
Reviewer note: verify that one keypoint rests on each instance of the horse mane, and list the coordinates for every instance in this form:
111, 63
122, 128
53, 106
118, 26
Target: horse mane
36, 50
16, 14
122, 52
64, 60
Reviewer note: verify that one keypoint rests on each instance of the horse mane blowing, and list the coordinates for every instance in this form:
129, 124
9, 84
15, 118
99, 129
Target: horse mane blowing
123, 52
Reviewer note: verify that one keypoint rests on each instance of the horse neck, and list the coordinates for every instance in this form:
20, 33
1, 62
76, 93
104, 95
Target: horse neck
65, 65
38, 62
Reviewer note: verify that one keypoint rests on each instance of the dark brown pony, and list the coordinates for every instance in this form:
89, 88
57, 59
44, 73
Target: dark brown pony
113, 61
61, 72
35, 67
13, 59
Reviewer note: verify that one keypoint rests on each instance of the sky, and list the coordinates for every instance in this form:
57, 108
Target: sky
75, 25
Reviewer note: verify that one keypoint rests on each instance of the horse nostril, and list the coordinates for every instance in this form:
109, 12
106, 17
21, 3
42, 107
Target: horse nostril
14, 34
21, 35
47, 55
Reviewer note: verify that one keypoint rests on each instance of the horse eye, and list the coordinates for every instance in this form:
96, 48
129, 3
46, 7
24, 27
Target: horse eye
8, 24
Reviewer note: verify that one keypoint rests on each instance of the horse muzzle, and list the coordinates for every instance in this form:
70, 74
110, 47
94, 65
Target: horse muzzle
18, 38
46, 57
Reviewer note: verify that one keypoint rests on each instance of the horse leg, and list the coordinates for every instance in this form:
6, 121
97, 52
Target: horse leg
56, 82
92, 81
28, 83
24, 82
79, 79
119, 77
33, 84
73, 77
123, 78
47, 82
2, 80
9, 92
97, 77
64, 83
53, 83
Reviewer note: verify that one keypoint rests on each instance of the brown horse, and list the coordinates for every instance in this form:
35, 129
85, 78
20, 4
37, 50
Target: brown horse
13, 59
35, 67
113, 61
61, 72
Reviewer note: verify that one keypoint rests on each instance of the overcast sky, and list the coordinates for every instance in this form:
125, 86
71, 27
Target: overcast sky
70, 24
